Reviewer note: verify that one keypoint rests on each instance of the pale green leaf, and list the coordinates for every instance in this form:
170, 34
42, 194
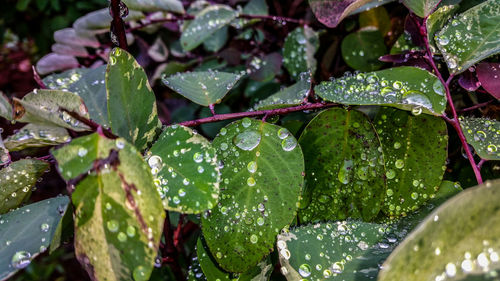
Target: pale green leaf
33, 135
5, 107
298, 51
438, 19
174, 6
289, 96
484, 135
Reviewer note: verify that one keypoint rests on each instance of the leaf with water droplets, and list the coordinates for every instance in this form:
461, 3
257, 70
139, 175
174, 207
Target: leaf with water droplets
438, 19
185, 169
361, 49
332, 12
174, 6
458, 239
334, 250
5, 107
421, 8
298, 51
33, 135
205, 24
17, 181
415, 151
27, 231
217, 40
289, 96
344, 167
45, 107
262, 177
118, 215
132, 108
408, 88
403, 44
471, 36
203, 87
484, 135
63, 80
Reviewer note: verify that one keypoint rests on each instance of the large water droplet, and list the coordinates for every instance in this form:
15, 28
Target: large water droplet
140, 273
21, 259
247, 140
304, 270
344, 171
288, 144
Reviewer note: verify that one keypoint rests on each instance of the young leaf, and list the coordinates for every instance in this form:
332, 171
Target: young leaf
205, 24
345, 168
5, 107
332, 12
33, 135
118, 215
204, 88
484, 135
262, 177
421, 8
16, 181
457, 240
185, 168
45, 107
174, 6
298, 51
415, 151
405, 87
470, 36
293, 95
361, 50
26, 232
131, 102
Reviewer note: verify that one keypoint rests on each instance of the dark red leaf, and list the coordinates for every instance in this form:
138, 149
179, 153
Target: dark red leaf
488, 74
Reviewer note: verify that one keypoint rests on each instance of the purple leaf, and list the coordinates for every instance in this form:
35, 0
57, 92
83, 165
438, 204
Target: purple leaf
488, 75
331, 12
413, 25
68, 36
468, 81
412, 58
72, 50
55, 62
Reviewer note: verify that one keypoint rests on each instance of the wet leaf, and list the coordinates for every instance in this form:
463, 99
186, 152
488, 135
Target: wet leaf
5, 107
484, 135
471, 36
361, 50
421, 8
204, 87
205, 24
44, 107
298, 51
33, 135
262, 177
132, 109
401, 87
118, 215
185, 168
415, 150
17, 181
376, 17
332, 12
64, 80
217, 40
26, 232
174, 6
266, 68
402, 44
438, 19
256, 7
488, 74
289, 96
458, 239
344, 168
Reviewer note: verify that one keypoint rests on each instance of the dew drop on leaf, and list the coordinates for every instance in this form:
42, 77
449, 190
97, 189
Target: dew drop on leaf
21, 259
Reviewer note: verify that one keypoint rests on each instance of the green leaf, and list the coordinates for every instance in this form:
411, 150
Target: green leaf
333, 250
408, 88
376, 17
298, 52
345, 168
78, 157
415, 150
471, 36
205, 24
118, 215
204, 87
421, 8
5, 107
185, 168
438, 19
17, 180
290, 96
484, 135
4, 153
402, 44
45, 107
33, 135
361, 50
132, 109
27, 231
256, 7
457, 240
63, 80
174, 6
262, 177
217, 40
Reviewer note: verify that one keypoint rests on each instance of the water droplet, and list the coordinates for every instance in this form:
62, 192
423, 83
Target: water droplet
112, 225
140, 273
252, 166
44, 227
21, 259
397, 145
417, 110
254, 238
82, 151
155, 161
247, 140
344, 171
390, 174
399, 164
288, 144
198, 157
283, 133
130, 231
492, 148
304, 270
414, 195
246, 122
122, 237
251, 181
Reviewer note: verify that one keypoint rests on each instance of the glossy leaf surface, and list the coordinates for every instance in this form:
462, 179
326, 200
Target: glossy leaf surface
421, 8
298, 51
331, 12
361, 50
484, 135
289, 96
33, 135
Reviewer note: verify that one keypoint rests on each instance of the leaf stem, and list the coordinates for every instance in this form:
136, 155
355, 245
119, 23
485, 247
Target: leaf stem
271, 112
170, 252
479, 105
117, 25
454, 121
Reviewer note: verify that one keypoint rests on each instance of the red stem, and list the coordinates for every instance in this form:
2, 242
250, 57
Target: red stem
118, 25
479, 105
454, 122
271, 112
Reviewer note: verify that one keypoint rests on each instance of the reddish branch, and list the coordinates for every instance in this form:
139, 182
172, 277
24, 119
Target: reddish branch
454, 121
170, 254
117, 25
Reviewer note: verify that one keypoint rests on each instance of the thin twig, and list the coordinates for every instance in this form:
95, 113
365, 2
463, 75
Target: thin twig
479, 105
38, 79
480, 164
118, 27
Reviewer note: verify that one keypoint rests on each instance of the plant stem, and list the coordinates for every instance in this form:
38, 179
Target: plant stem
170, 250
274, 18
118, 27
271, 112
479, 105
454, 121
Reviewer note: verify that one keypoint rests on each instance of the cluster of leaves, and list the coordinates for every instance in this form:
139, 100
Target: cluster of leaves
328, 194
